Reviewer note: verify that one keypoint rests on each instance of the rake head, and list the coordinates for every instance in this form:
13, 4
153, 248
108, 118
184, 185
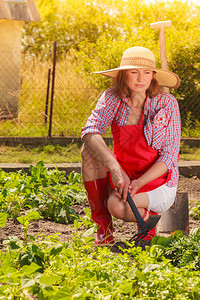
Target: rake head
143, 231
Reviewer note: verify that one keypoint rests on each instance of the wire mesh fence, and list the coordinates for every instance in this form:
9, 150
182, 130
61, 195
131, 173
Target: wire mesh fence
28, 111
26, 98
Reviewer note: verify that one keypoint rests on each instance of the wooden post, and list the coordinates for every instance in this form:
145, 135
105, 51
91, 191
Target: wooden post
176, 217
163, 53
47, 96
52, 88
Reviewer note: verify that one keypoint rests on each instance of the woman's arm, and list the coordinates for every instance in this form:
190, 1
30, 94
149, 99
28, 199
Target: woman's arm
157, 170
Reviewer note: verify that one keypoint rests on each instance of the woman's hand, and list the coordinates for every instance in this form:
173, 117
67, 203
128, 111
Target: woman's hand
121, 182
134, 186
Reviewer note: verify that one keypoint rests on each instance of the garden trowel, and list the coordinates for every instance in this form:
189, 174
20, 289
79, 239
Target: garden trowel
144, 226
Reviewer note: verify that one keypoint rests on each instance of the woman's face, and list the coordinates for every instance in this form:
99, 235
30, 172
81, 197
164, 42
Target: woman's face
138, 80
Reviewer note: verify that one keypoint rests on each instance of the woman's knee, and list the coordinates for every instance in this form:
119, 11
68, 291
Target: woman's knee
116, 207
86, 157
91, 168
84, 152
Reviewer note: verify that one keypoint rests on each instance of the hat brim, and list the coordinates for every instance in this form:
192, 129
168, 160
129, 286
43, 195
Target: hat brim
164, 78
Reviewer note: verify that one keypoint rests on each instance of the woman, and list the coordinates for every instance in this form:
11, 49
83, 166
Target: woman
145, 124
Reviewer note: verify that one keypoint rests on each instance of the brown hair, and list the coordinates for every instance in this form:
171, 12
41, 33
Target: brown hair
121, 89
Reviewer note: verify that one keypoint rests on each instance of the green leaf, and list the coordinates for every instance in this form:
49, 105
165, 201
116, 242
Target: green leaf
177, 234
3, 219
156, 250
26, 223
27, 282
2, 254
7, 266
126, 288
30, 269
150, 267
33, 215
63, 294
79, 294
131, 273
89, 232
161, 240
21, 220
14, 245
49, 280
69, 253
25, 258
56, 249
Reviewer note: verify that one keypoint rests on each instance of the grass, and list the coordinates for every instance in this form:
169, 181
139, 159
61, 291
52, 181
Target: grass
189, 153
49, 154
54, 154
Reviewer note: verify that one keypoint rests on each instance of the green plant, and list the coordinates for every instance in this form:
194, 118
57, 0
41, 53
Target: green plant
49, 192
49, 269
191, 126
183, 251
195, 211
26, 220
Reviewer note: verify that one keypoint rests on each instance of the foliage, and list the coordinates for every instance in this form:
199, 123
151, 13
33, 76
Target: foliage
191, 126
68, 23
47, 191
42, 267
189, 153
48, 269
26, 220
72, 22
183, 251
195, 211
185, 62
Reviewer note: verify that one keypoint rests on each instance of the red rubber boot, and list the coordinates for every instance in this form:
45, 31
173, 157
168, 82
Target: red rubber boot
97, 191
151, 232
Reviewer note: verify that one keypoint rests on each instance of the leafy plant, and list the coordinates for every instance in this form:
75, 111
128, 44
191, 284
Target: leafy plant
195, 211
25, 221
191, 126
183, 251
49, 269
49, 192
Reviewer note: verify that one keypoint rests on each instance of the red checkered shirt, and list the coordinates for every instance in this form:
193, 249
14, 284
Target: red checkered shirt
162, 124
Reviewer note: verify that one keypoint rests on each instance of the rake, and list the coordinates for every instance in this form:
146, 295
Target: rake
144, 226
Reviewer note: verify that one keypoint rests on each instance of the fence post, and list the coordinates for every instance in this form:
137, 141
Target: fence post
47, 97
52, 88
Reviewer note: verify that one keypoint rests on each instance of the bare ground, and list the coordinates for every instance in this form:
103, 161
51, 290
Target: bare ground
122, 231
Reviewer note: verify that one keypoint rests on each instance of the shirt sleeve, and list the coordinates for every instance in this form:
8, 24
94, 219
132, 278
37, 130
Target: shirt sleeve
169, 120
103, 114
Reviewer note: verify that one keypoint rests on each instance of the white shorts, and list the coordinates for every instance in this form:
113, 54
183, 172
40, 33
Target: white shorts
162, 198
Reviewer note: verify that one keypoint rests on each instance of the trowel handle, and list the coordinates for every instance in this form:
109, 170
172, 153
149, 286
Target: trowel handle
135, 211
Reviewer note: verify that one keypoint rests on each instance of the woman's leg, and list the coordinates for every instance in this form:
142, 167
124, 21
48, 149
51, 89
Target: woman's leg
95, 179
121, 210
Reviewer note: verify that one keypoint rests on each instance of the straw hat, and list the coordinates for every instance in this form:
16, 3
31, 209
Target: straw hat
143, 58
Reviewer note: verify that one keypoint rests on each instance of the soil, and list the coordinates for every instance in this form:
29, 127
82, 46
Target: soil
122, 231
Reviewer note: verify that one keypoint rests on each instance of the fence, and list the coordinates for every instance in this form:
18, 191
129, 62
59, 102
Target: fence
26, 97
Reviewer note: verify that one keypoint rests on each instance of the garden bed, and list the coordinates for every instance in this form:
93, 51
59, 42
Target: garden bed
122, 230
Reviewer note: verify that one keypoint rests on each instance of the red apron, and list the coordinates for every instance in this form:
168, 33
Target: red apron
134, 155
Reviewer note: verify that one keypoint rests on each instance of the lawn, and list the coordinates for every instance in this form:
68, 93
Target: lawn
52, 154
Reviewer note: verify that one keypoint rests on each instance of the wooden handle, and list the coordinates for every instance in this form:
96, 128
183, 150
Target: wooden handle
161, 24
163, 53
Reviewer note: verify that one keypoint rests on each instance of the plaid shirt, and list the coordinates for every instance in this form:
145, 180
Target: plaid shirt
162, 124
